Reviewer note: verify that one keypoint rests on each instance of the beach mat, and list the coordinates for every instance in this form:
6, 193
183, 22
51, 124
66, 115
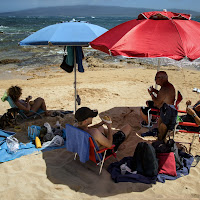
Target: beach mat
115, 171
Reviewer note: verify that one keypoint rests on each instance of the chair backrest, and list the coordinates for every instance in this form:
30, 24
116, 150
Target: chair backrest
178, 100
11, 102
81, 142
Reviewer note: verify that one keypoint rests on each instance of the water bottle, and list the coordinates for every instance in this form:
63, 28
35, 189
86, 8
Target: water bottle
123, 168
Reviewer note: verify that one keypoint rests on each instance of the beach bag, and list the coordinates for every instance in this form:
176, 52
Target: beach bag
166, 164
33, 132
67, 66
170, 146
144, 160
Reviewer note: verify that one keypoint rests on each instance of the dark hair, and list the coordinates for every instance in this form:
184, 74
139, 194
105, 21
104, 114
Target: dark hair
14, 92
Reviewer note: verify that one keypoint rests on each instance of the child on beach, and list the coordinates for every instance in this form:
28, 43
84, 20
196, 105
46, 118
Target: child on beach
15, 93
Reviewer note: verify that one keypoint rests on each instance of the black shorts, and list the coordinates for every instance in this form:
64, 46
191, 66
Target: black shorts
150, 105
168, 116
118, 138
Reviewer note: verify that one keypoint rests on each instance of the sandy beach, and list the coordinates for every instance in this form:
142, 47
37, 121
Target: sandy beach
117, 89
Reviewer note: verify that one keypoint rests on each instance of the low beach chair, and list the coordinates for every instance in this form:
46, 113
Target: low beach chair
178, 129
21, 112
82, 143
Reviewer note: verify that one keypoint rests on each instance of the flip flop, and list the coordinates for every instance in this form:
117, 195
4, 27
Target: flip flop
196, 161
67, 112
57, 113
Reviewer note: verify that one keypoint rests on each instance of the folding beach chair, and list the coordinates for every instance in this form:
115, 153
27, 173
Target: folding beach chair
21, 112
177, 101
82, 143
178, 130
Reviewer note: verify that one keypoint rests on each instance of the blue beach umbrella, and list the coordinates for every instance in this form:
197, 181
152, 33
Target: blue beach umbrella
73, 33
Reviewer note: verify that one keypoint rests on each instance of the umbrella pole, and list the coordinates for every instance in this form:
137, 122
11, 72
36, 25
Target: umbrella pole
75, 77
158, 69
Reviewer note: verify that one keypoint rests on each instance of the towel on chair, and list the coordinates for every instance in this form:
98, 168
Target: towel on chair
77, 141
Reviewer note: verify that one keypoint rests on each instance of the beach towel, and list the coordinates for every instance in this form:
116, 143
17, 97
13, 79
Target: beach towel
68, 60
24, 149
115, 171
79, 58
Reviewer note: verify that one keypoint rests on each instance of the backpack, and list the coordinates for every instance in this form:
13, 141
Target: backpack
144, 160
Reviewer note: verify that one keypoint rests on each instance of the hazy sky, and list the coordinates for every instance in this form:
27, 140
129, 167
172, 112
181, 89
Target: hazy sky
14, 5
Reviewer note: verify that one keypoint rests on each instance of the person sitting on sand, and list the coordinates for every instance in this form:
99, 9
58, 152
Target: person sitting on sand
164, 100
103, 137
15, 93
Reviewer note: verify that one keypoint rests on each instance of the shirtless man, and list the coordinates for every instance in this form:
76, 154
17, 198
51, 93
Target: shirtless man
103, 137
164, 100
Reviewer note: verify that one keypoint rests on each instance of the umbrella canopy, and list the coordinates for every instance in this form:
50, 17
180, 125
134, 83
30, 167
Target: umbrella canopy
73, 33
153, 34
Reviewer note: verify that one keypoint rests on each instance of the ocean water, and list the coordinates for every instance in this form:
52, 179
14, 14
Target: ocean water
15, 29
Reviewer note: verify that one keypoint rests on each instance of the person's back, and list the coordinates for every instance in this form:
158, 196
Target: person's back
167, 95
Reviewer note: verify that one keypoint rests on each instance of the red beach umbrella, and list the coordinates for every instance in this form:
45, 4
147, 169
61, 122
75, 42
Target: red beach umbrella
153, 34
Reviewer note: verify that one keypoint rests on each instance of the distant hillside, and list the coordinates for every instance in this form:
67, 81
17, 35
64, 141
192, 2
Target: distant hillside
84, 10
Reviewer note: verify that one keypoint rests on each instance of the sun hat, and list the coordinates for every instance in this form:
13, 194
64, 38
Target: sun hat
84, 113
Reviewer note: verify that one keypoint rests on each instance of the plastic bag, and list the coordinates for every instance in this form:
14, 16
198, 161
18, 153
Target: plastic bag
57, 141
12, 144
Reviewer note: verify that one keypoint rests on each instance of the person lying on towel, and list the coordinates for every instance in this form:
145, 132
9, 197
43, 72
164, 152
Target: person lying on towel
15, 93
104, 137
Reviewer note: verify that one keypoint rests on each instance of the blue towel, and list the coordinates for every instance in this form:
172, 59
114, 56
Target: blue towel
24, 149
79, 58
77, 141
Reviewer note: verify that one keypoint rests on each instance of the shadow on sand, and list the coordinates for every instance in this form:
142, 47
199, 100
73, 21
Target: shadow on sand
84, 177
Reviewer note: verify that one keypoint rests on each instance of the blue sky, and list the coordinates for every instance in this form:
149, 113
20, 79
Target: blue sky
14, 5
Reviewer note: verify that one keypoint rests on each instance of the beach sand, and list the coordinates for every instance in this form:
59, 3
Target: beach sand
118, 90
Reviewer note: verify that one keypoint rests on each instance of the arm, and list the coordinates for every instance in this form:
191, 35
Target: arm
191, 112
23, 107
159, 99
102, 140
152, 89
97, 125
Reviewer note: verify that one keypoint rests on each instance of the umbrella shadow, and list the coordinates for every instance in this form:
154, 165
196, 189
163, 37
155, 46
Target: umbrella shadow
61, 168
